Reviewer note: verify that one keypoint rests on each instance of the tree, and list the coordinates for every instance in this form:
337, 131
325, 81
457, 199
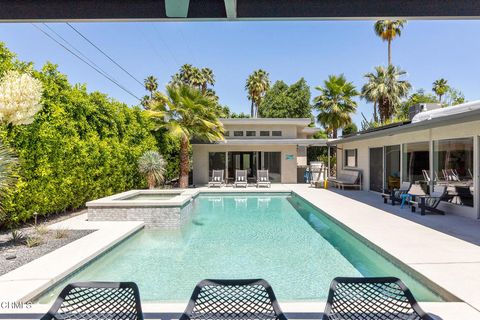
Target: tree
453, 97
234, 115
20, 96
335, 103
440, 87
386, 88
415, 98
349, 129
187, 114
256, 86
151, 85
152, 166
283, 101
388, 30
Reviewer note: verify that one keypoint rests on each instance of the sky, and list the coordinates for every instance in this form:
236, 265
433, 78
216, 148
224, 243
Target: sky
287, 50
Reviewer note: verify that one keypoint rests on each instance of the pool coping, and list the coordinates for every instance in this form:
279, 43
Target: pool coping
33, 278
117, 200
28, 281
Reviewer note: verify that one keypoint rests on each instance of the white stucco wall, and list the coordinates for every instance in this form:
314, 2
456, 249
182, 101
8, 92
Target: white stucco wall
200, 159
464, 130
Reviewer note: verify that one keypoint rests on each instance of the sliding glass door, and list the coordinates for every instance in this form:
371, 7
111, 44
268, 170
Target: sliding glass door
376, 169
392, 167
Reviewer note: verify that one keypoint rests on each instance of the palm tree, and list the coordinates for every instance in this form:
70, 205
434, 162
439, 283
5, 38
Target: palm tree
335, 103
152, 166
187, 114
386, 89
257, 85
388, 30
371, 93
207, 79
440, 87
151, 85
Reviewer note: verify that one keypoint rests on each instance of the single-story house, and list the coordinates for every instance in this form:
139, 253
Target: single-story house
279, 145
437, 146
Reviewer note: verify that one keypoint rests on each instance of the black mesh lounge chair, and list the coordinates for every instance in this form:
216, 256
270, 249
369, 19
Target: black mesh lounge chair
396, 194
430, 202
371, 299
233, 299
97, 300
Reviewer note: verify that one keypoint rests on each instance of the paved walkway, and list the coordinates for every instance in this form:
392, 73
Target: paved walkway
444, 259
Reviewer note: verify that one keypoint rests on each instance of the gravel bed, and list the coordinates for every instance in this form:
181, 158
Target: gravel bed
14, 255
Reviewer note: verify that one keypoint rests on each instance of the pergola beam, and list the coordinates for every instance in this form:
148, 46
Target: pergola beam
231, 9
138, 10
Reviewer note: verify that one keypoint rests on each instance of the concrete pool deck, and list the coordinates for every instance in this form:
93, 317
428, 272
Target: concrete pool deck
435, 246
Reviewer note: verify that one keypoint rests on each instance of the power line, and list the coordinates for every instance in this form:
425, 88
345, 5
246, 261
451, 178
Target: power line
106, 55
87, 63
73, 47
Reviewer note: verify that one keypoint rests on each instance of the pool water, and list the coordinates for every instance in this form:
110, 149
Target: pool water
280, 238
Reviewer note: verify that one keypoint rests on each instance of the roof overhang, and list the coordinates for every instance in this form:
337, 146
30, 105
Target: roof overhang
452, 119
171, 10
266, 121
267, 142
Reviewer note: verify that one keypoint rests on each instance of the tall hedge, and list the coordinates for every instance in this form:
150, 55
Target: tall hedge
81, 146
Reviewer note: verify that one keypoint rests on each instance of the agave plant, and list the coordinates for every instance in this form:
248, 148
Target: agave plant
152, 166
7, 163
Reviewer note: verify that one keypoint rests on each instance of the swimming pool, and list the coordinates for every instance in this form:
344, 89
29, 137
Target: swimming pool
278, 237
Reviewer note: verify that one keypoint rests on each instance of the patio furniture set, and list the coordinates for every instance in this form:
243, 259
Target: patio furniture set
416, 198
348, 298
241, 179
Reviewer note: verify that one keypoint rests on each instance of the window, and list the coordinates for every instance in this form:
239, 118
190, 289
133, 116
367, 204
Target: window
226, 134
216, 161
350, 158
238, 133
251, 133
453, 168
264, 133
276, 133
415, 161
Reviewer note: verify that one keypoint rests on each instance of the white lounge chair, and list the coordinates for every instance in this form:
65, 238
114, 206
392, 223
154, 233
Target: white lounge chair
240, 178
217, 179
263, 178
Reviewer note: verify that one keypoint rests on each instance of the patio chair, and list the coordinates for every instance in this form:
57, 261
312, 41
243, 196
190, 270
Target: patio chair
263, 178
97, 300
240, 178
217, 179
430, 202
450, 175
233, 299
396, 194
371, 299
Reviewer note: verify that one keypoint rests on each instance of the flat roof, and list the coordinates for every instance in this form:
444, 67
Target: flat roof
249, 142
390, 130
285, 121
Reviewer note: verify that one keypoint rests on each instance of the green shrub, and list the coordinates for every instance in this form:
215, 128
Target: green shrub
81, 146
